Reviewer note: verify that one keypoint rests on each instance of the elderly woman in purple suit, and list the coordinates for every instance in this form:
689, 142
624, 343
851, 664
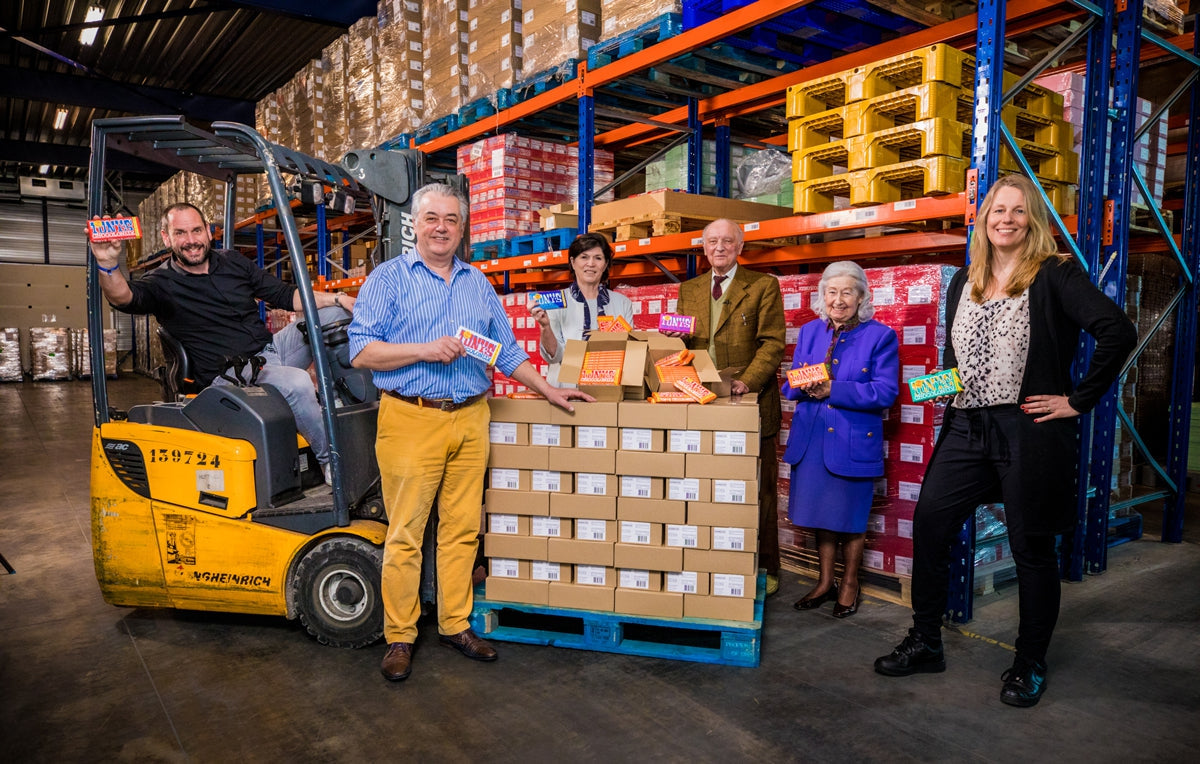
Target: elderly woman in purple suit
836, 442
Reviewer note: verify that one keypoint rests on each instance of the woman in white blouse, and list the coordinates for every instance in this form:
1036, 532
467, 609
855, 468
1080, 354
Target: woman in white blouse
588, 298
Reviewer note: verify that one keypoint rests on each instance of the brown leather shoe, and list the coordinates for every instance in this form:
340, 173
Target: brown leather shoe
397, 664
470, 645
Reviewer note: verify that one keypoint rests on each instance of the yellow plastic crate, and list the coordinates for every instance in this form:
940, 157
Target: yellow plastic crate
878, 185
931, 100
816, 129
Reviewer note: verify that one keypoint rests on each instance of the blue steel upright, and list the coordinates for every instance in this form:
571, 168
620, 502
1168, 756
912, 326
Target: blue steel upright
985, 160
1184, 366
724, 166
1110, 275
695, 144
587, 159
1090, 235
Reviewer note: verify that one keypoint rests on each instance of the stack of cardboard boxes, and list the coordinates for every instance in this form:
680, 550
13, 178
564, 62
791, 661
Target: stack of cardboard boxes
494, 47
445, 40
401, 64
557, 33
625, 506
512, 177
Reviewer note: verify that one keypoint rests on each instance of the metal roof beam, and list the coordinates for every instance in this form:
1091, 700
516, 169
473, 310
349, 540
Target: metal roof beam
340, 14
99, 93
30, 152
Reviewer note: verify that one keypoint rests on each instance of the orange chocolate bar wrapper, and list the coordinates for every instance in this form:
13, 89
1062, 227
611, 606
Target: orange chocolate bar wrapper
698, 392
804, 375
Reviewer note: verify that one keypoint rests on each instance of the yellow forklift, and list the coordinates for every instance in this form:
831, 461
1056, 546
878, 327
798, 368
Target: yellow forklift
202, 503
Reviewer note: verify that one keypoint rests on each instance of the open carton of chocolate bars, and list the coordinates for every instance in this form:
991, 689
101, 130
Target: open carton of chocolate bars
660, 346
629, 385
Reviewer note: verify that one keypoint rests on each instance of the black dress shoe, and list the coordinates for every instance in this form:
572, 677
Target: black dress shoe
812, 602
913, 655
470, 645
1024, 683
845, 611
397, 663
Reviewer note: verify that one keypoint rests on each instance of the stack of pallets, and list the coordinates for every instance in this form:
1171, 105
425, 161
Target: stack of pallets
901, 128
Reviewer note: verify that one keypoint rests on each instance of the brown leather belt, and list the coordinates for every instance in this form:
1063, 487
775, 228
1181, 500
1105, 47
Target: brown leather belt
441, 404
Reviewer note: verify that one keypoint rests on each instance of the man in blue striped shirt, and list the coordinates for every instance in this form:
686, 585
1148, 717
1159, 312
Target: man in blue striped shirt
433, 419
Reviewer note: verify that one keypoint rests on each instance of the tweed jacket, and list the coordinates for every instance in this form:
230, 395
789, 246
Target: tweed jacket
749, 335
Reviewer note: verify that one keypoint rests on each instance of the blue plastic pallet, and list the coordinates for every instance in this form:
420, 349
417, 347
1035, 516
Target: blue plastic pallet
401, 141
490, 250
435, 129
483, 107
1123, 529
541, 82
543, 241
656, 30
699, 640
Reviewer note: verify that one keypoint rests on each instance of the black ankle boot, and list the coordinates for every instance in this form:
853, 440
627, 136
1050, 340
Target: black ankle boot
1024, 683
913, 655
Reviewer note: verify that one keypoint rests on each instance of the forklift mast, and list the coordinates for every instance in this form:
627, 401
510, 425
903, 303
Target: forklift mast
393, 176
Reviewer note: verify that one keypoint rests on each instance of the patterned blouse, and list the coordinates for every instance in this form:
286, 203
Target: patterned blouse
991, 342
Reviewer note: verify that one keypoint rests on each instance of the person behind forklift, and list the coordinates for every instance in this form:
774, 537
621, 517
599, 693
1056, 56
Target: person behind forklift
433, 419
207, 300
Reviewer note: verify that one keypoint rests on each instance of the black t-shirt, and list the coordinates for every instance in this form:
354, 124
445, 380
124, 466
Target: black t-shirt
214, 315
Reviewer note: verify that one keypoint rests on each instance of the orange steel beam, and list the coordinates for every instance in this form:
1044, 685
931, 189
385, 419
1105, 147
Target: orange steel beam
1026, 13
853, 249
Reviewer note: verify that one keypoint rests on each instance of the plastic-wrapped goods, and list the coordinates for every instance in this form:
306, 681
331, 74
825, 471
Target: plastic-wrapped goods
335, 58
308, 109
401, 61
512, 177
363, 107
494, 47
621, 16
50, 352
444, 41
556, 33
10, 355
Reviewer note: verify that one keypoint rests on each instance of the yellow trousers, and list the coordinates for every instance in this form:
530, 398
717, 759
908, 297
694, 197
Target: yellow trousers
425, 453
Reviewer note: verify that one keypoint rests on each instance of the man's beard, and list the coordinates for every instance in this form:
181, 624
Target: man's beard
184, 260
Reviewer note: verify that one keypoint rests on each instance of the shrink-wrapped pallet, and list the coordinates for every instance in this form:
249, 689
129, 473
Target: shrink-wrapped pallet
401, 80
50, 352
10, 355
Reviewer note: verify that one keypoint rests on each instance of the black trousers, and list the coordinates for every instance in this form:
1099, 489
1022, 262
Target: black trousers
768, 505
973, 465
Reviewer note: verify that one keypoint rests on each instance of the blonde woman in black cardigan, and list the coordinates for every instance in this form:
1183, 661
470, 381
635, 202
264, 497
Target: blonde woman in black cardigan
1013, 319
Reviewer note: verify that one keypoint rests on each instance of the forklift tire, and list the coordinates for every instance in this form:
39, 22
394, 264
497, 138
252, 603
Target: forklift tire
337, 592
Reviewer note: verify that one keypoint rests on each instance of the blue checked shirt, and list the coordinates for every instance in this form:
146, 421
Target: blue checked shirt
403, 301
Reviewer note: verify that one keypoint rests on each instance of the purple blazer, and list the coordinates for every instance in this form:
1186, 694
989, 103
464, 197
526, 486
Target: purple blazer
866, 381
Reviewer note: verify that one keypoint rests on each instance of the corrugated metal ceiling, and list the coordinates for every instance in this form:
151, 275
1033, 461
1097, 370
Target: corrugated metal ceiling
207, 59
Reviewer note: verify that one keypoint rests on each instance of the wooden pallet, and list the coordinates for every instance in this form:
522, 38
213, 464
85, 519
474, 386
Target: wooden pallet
699, 640
666, 212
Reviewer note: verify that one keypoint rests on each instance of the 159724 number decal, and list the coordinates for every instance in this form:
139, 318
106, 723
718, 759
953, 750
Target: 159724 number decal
184, 456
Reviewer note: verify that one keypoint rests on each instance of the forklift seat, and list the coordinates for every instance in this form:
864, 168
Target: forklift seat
177, 376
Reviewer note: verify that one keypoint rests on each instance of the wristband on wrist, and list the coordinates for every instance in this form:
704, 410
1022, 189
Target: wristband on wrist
337, 299
109, 271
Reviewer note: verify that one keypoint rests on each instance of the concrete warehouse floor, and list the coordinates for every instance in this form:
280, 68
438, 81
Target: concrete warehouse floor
84, 681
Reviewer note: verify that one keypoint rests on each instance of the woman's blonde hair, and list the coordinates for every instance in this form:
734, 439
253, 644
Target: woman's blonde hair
1039, 241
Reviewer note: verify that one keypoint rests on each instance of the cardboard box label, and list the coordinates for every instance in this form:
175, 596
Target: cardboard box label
730, 539
910, 414
503, 524
683, 582
591, 575
636, 487
591, 483
591, 437
503, 432
544, 480
685, 441
636, 439
635, 532
634, 579
591, 530
545, 435
914, 453
729, 491
728, 585
907, 490
509, 480
504, 568
683, 535
546, 571
683, 489
730, 443
547, 526
904, 529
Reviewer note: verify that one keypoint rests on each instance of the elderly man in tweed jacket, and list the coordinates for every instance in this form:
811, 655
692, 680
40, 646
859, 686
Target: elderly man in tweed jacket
739, 321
